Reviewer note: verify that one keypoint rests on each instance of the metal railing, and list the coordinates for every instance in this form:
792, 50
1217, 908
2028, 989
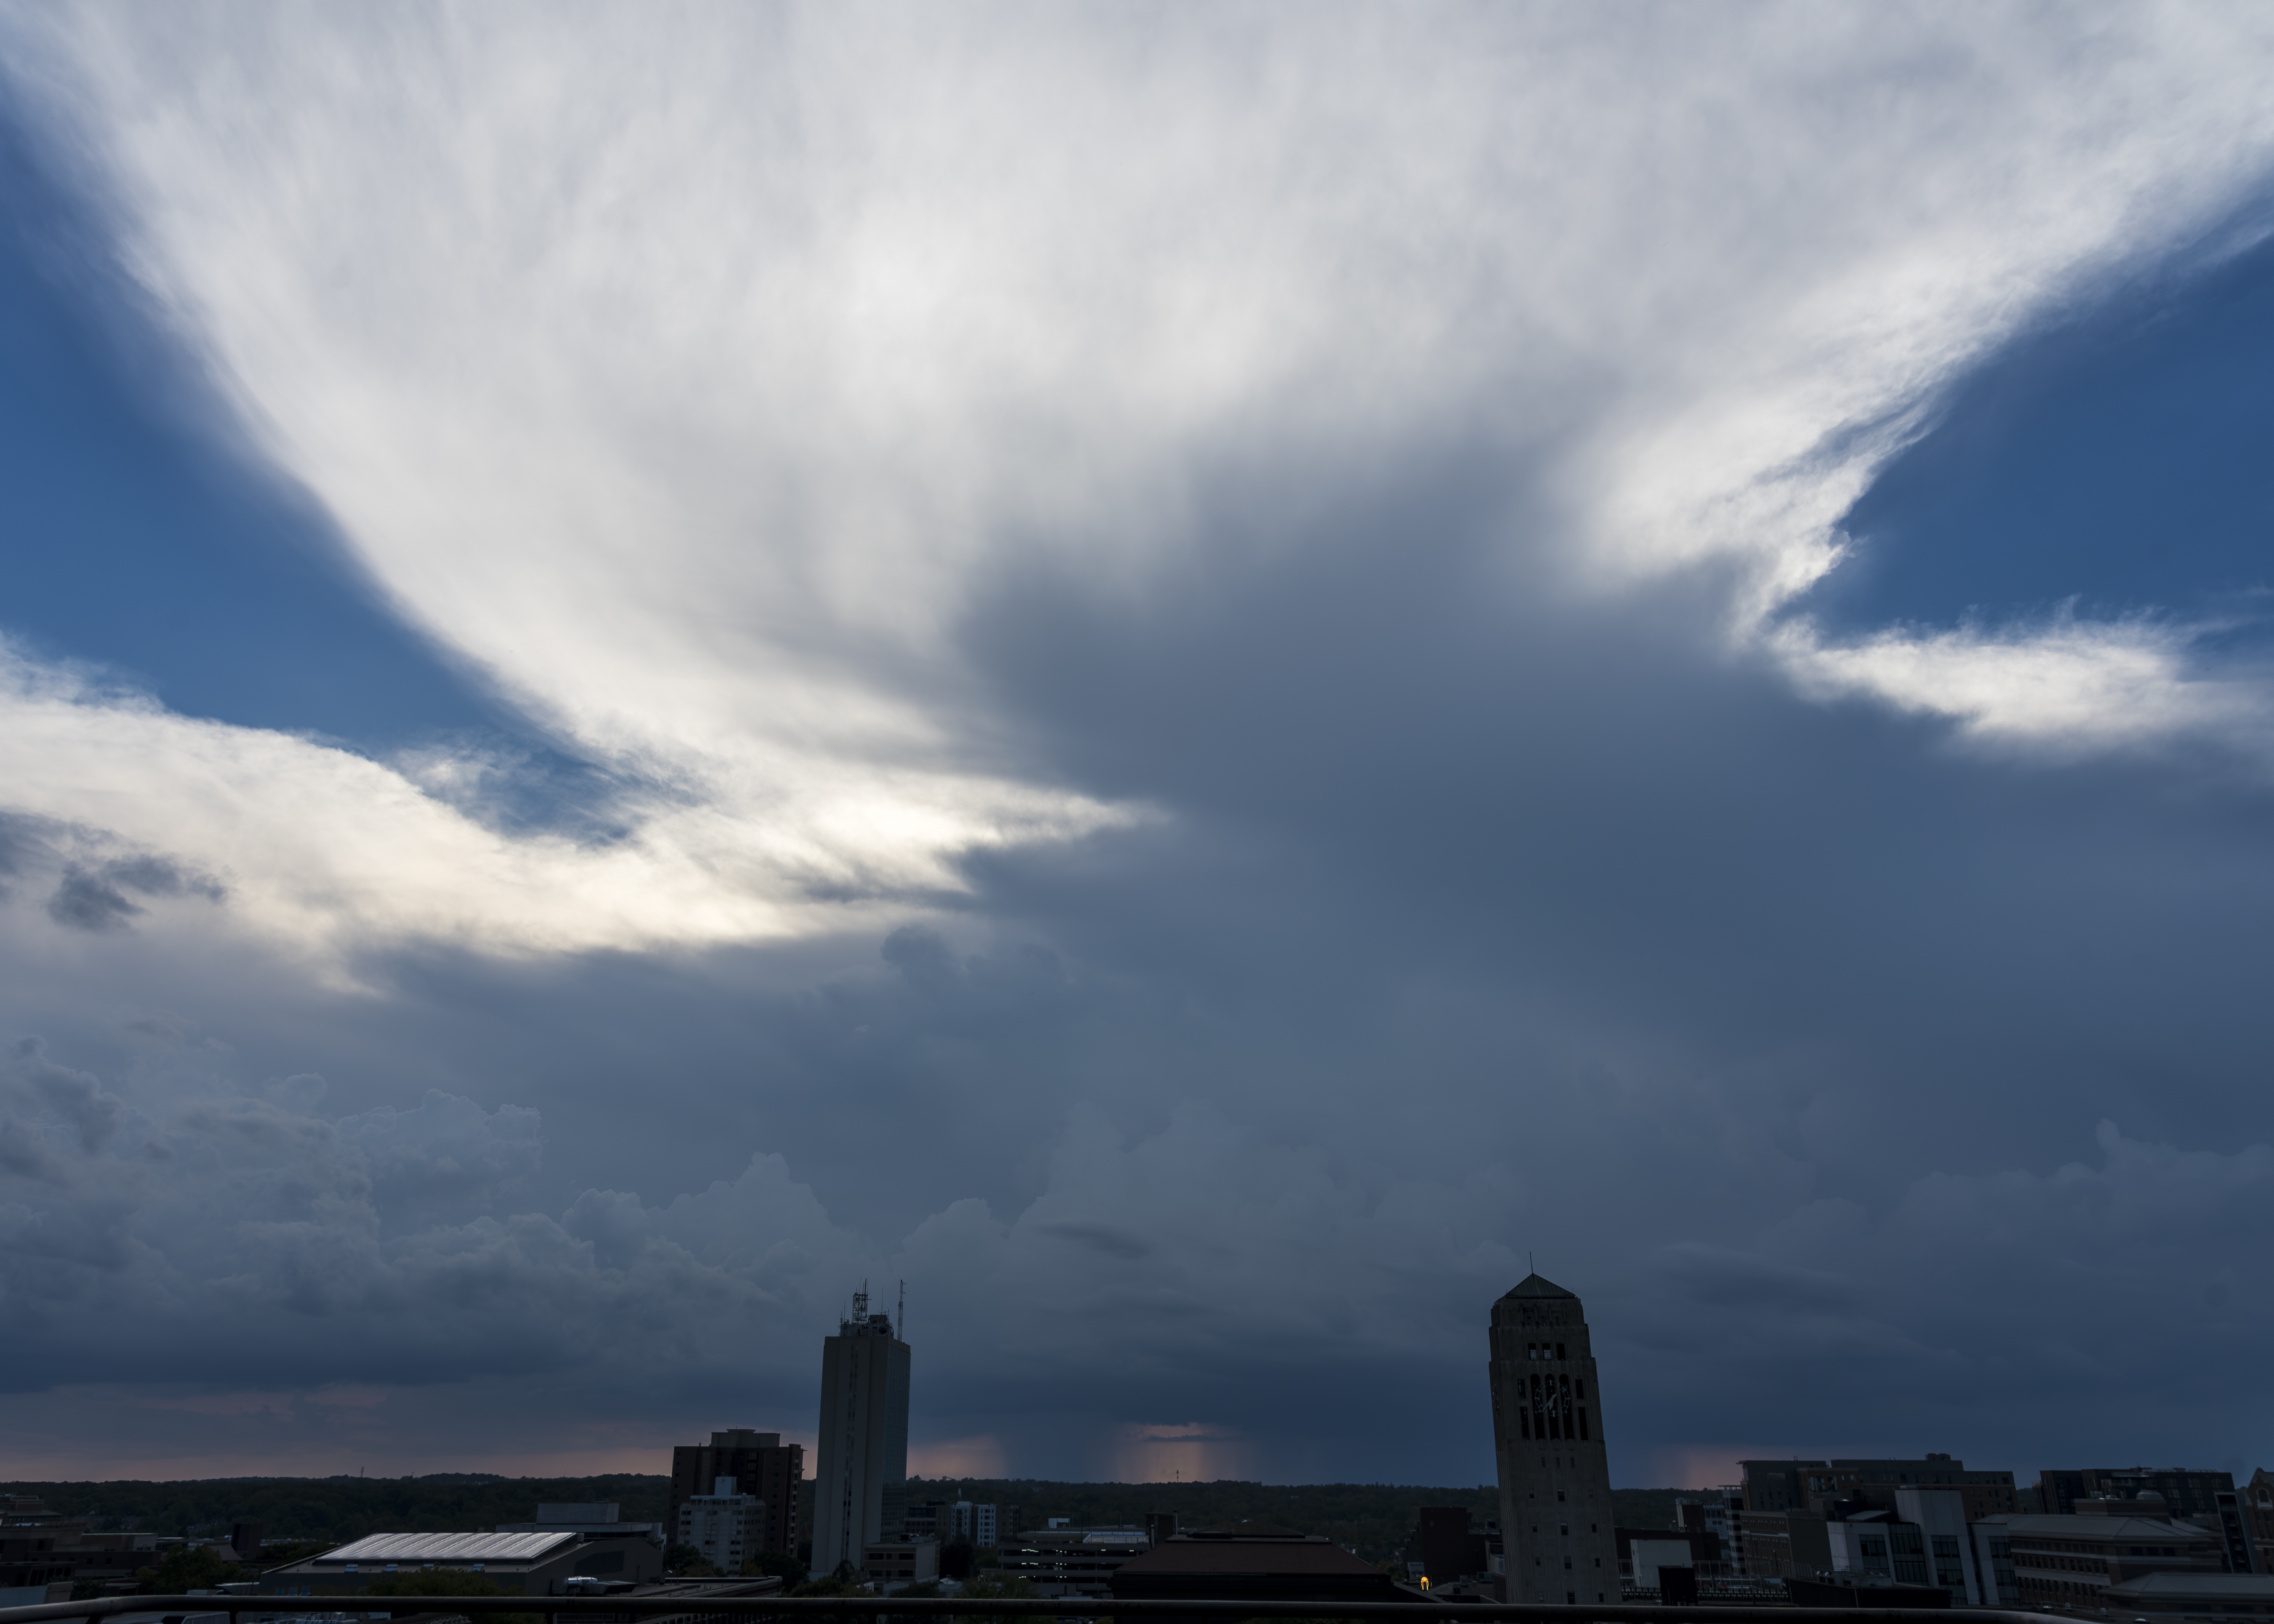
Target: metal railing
951, 1606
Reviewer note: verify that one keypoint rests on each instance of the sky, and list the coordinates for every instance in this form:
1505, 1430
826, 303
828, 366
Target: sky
1194, 681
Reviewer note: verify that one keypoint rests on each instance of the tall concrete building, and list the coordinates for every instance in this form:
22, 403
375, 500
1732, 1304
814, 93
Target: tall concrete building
1547, 1439
861, 1481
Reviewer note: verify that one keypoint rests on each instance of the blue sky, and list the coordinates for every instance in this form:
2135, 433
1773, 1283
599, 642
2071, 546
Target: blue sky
148, 543
2116, 460
637, 694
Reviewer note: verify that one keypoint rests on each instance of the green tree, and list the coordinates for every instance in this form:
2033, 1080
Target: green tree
992, 1584
780, 1563
832, 1584
185, 1569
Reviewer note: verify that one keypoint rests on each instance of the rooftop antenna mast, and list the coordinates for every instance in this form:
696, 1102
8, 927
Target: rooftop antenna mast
903, 1332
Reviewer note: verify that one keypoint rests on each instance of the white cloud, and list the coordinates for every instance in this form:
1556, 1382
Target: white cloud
691, 374
2070, 686
327, 850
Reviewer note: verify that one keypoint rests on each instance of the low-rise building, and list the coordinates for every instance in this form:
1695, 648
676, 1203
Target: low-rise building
1446, 1546
2231, 1517
890, 1563
1253, 1562
2194, 1596
1779, 1545
523, 1564
40, 1547
1921, 1539
2072, 1561
29, 1559
1816, 1485
2186, 1491
35, 1595
725, 1528
1993, 1559
2258, 1506
1641, 1550
1720, 1512
1647, 1561
1071, 1562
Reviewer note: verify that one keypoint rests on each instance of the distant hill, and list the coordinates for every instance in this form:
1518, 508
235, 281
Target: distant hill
1372, 1518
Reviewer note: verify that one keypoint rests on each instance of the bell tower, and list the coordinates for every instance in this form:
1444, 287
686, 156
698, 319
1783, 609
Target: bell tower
1547, 1441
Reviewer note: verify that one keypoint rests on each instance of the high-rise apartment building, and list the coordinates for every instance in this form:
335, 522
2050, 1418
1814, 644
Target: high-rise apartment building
861, 1476
761, 1465
1547, 1440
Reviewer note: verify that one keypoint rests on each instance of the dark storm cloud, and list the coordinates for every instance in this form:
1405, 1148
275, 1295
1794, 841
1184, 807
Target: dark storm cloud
92, 895
1874, 1089
1477, 921
89, 903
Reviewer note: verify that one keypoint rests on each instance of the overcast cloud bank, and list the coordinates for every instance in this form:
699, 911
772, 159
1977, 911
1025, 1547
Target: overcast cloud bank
1193, 633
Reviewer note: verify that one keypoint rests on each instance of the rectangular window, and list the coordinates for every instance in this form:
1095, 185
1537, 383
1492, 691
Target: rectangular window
1582, 1425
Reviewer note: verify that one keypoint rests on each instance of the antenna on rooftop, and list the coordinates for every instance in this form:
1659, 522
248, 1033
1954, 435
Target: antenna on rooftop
903, 1332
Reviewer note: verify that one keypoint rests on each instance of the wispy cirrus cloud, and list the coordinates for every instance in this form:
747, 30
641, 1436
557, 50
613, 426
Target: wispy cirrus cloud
691, 379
